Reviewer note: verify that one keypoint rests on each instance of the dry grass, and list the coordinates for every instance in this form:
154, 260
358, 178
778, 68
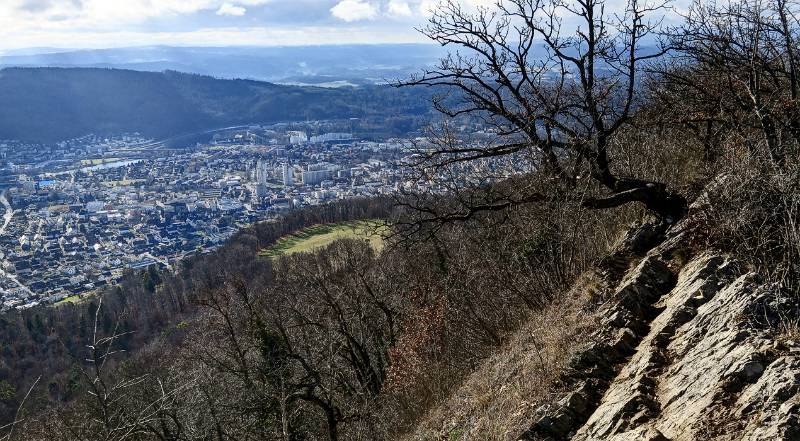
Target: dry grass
753, 212
499, 400
789, 331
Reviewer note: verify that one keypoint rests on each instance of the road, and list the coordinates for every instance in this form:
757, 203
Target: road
16, 281
162, 142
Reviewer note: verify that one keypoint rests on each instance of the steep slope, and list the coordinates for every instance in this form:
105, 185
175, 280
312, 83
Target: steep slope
526, 377
708, 357
689, 345
708, 367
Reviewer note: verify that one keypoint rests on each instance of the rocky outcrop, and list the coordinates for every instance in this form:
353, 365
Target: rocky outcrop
625, 320
687, 351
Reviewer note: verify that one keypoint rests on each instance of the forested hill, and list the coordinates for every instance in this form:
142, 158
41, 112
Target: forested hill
52, 104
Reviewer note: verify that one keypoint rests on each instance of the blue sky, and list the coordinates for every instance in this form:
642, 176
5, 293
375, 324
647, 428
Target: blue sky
120, 23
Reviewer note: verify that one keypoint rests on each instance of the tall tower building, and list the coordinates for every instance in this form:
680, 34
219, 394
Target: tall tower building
262, 172
288, 175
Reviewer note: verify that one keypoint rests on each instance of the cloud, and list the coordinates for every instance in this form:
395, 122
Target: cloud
428, 7
229, 9
112, 14
399, 8
355, 10
98, 23
35, 5
310, 35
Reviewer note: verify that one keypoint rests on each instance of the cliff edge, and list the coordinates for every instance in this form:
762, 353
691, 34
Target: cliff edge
685, 350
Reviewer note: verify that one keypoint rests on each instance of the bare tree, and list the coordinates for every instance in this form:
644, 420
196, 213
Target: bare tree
735, 73
550, 82
336, 328
111, 411
8, 431
302, 356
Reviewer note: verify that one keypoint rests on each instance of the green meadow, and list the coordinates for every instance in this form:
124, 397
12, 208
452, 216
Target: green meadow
319, 236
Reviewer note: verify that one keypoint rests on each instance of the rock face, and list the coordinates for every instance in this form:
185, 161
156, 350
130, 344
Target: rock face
687, 352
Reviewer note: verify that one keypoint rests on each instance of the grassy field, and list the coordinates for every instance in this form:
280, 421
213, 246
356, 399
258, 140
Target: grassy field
70, 299
78, 298
319, 236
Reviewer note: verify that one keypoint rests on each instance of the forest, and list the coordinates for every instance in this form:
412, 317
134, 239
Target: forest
49, 105
349, 343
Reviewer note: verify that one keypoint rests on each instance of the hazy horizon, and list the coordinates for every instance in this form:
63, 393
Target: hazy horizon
323, 65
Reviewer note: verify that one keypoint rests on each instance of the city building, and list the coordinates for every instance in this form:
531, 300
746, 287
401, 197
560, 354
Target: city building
262, 172
288, 175
297, 137
332, 137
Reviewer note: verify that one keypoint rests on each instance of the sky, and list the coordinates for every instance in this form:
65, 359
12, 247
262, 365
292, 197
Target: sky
122, 23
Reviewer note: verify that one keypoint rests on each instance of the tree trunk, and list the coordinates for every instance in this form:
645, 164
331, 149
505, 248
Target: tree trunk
333, 425
667, 205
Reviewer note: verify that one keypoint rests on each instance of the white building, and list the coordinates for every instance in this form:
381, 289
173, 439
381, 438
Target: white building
297, 137
330, 137
262, 172
314, 177
288, 175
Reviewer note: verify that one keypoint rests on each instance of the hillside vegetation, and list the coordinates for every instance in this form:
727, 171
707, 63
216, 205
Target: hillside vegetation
54, 104
620, 263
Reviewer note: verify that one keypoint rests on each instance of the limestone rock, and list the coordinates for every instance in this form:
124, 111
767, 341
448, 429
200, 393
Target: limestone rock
706, 368
683, 358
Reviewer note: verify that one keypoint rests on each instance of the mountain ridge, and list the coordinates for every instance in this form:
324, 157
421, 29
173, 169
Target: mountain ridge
53, 104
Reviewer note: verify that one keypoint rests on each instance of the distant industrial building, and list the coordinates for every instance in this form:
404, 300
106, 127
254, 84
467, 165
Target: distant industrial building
315, 177
332, 137
297, 137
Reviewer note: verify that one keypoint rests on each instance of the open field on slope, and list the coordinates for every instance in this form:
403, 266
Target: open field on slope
77, 298
319, 236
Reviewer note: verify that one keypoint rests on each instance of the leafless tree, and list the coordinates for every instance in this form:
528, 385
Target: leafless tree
550, 82
735, 73
110, 411
302, 356
336, 327
8, 431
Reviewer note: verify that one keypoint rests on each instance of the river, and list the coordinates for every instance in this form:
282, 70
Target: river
103, 166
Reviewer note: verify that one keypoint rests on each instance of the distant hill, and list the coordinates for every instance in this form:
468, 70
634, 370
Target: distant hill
52, 104
309, 65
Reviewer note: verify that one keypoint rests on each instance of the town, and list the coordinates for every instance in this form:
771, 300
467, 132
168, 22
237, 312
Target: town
75, 225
